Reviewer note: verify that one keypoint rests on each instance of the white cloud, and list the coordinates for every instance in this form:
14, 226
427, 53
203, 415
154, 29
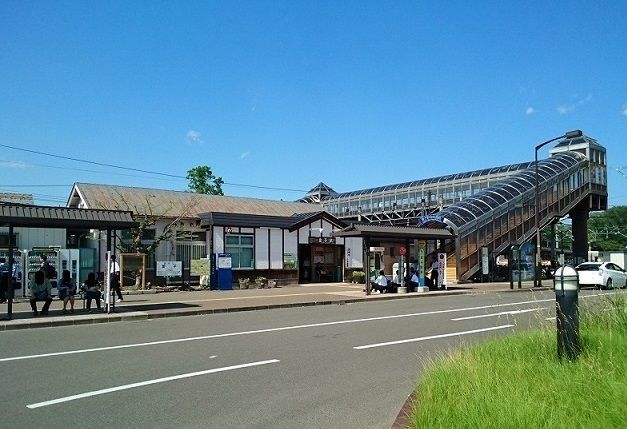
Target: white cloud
194, 137
244, 155
565, 108
14, 164
530, 111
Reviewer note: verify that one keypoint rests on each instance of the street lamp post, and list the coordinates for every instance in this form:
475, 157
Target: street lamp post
537, 278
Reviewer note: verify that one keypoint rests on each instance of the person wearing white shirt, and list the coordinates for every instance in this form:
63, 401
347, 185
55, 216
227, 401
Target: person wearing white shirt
114, 275
381, 283
413, 281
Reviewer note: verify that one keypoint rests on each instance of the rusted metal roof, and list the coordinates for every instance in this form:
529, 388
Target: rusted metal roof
389, 231
62, 217
12, 197
166, 203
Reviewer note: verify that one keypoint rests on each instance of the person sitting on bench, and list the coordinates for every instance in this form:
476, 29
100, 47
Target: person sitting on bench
381, 284
40, 290
413, 281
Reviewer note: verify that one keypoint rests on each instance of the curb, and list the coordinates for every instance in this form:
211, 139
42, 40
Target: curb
139, 315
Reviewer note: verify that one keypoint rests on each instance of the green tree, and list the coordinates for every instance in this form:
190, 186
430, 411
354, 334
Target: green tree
608, 230
202, 181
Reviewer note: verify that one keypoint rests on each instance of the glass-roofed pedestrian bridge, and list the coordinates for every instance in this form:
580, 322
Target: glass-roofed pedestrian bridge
493, 208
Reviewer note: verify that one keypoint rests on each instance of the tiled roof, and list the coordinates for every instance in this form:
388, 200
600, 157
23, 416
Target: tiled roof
167, 203
63, 217
11, 197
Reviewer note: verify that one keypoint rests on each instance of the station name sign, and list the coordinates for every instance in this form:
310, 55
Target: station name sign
321, 240
430, 218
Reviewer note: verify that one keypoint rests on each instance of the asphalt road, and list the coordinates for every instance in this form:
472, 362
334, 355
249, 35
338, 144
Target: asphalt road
333, 366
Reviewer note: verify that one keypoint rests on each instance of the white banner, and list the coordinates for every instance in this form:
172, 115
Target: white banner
441, 269
485, 263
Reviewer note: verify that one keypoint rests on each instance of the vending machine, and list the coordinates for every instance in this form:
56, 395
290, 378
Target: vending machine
19, 284
33, 264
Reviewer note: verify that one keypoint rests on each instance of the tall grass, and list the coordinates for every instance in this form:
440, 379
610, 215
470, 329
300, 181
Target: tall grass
518, 382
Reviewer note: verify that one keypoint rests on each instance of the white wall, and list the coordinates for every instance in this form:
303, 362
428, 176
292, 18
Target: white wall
218, 239
303, 235
276, 249
291, 242
262, 259
39, 237
327, 228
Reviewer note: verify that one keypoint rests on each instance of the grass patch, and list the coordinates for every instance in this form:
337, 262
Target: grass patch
518, 382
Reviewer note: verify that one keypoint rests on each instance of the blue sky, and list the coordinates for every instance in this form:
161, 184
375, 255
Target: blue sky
288, 94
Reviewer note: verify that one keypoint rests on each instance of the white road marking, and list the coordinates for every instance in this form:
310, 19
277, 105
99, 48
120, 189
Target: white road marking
285, 328
431, 337
260, 331
147, 383
502, 313
551, 318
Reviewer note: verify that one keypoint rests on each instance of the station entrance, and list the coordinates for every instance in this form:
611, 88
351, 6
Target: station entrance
320, 263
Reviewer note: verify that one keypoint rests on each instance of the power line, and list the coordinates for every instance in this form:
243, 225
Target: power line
102, 164
174, 176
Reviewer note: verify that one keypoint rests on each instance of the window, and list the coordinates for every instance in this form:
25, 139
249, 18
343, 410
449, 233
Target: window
241, 248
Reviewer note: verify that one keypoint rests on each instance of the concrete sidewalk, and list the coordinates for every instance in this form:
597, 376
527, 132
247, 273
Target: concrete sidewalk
150, 305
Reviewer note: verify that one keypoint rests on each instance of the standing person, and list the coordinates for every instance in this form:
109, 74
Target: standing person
91, 291
40, 290
4, 280
434, 272
114, 275
67, 290
47, 267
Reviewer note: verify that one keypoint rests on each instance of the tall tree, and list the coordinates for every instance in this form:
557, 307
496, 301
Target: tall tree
202, 181
608, 230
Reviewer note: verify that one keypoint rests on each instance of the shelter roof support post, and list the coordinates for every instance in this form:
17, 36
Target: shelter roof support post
366, 242
406, 267
108, 240
10, 290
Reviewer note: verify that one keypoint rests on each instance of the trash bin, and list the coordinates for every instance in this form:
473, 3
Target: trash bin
338, 273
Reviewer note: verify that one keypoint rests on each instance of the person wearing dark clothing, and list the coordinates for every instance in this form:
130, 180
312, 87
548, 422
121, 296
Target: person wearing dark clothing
4, 279
434, 273
40, 290
92, 291
67, 290
114, 273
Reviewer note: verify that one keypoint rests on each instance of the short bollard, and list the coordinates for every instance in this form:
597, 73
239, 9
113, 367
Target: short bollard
566, 284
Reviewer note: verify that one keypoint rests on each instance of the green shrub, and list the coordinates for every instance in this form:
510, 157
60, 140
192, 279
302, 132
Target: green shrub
359, 277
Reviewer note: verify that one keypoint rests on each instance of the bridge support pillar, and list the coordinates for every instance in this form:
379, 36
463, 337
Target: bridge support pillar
553, 233
579, 217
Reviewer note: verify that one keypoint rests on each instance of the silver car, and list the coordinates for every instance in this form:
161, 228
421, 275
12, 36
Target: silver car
601, 274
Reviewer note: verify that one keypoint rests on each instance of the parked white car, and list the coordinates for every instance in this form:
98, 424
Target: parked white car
601, 274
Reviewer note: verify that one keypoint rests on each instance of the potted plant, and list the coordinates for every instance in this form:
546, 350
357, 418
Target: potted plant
243, 282
261, 282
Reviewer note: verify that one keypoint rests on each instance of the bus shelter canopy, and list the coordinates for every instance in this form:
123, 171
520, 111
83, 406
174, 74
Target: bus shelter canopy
24, 215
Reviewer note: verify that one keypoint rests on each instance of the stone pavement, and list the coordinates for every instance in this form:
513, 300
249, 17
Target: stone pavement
148, 305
